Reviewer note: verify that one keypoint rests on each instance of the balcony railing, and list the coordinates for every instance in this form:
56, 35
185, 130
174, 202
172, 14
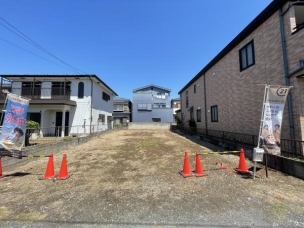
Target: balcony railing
40, 93
121, 109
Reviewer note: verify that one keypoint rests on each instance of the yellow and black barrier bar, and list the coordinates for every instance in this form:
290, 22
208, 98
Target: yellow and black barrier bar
218, 152
30, 156
36, 156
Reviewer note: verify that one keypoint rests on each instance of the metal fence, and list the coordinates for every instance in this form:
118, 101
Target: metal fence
292, 148
223, 135
289, 147
53, 134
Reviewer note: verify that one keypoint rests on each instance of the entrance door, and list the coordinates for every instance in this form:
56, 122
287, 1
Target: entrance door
58, 124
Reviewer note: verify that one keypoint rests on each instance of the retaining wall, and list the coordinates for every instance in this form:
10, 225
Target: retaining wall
286, 165
149, 126
46, 149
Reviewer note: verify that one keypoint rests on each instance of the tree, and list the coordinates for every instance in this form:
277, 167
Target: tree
179, 122
31, 127
192, 123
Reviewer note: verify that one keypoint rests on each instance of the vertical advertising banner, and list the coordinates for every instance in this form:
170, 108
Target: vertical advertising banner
272, 119
14, 126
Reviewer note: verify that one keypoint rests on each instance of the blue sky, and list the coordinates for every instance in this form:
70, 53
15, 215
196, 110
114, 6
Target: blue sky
127, 43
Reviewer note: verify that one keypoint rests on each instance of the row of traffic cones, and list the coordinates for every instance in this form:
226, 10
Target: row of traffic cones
50, 170
199, 172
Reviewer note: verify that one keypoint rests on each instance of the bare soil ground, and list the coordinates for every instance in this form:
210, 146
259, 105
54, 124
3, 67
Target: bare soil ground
130, 178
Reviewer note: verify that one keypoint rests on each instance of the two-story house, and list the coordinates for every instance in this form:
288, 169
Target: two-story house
227, 94
152, 104
175, 104
122, 111
63, 104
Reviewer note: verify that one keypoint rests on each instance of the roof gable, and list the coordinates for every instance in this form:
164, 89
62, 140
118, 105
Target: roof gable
151, 85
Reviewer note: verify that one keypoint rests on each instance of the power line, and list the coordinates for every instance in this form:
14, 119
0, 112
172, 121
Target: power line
33, 53
32, 42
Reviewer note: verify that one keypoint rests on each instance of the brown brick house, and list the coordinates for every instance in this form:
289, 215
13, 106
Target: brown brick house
227, 94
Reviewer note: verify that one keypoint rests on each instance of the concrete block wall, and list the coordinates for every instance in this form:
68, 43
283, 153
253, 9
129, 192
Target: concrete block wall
149, 126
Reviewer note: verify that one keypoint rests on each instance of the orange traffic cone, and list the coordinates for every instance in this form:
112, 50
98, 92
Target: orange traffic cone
63, 173
50, 171
242, 163
186, 170
199, 172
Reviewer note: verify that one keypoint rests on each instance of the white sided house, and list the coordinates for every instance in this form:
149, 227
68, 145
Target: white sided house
64, 105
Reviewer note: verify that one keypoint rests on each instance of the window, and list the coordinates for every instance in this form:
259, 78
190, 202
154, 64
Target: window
176, 104
105, 96
144, 107
297, 23
198, 115
156, 119
160, 95
59, 89
35, 116
101, 118
159, 105
80, 90
141, 106
247, 56
118, 107
194, 88
30, 89
110, 119
214, 113
187, 100
126, 108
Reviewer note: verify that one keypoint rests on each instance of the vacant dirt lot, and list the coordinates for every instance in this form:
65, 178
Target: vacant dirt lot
130, 178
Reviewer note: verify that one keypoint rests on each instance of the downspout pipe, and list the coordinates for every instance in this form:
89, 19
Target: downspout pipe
287, 82
91, 119
205, 101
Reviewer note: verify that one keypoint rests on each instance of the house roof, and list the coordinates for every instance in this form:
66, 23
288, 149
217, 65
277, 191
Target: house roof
120, 99
176, 99
151, 85
75, 76
260, 19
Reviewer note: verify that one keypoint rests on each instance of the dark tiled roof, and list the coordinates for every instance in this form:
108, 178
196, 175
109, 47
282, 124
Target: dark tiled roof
151, 85
120, 99
58, 75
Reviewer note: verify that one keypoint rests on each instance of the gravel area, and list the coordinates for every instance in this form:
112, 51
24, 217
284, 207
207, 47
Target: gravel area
129, 178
